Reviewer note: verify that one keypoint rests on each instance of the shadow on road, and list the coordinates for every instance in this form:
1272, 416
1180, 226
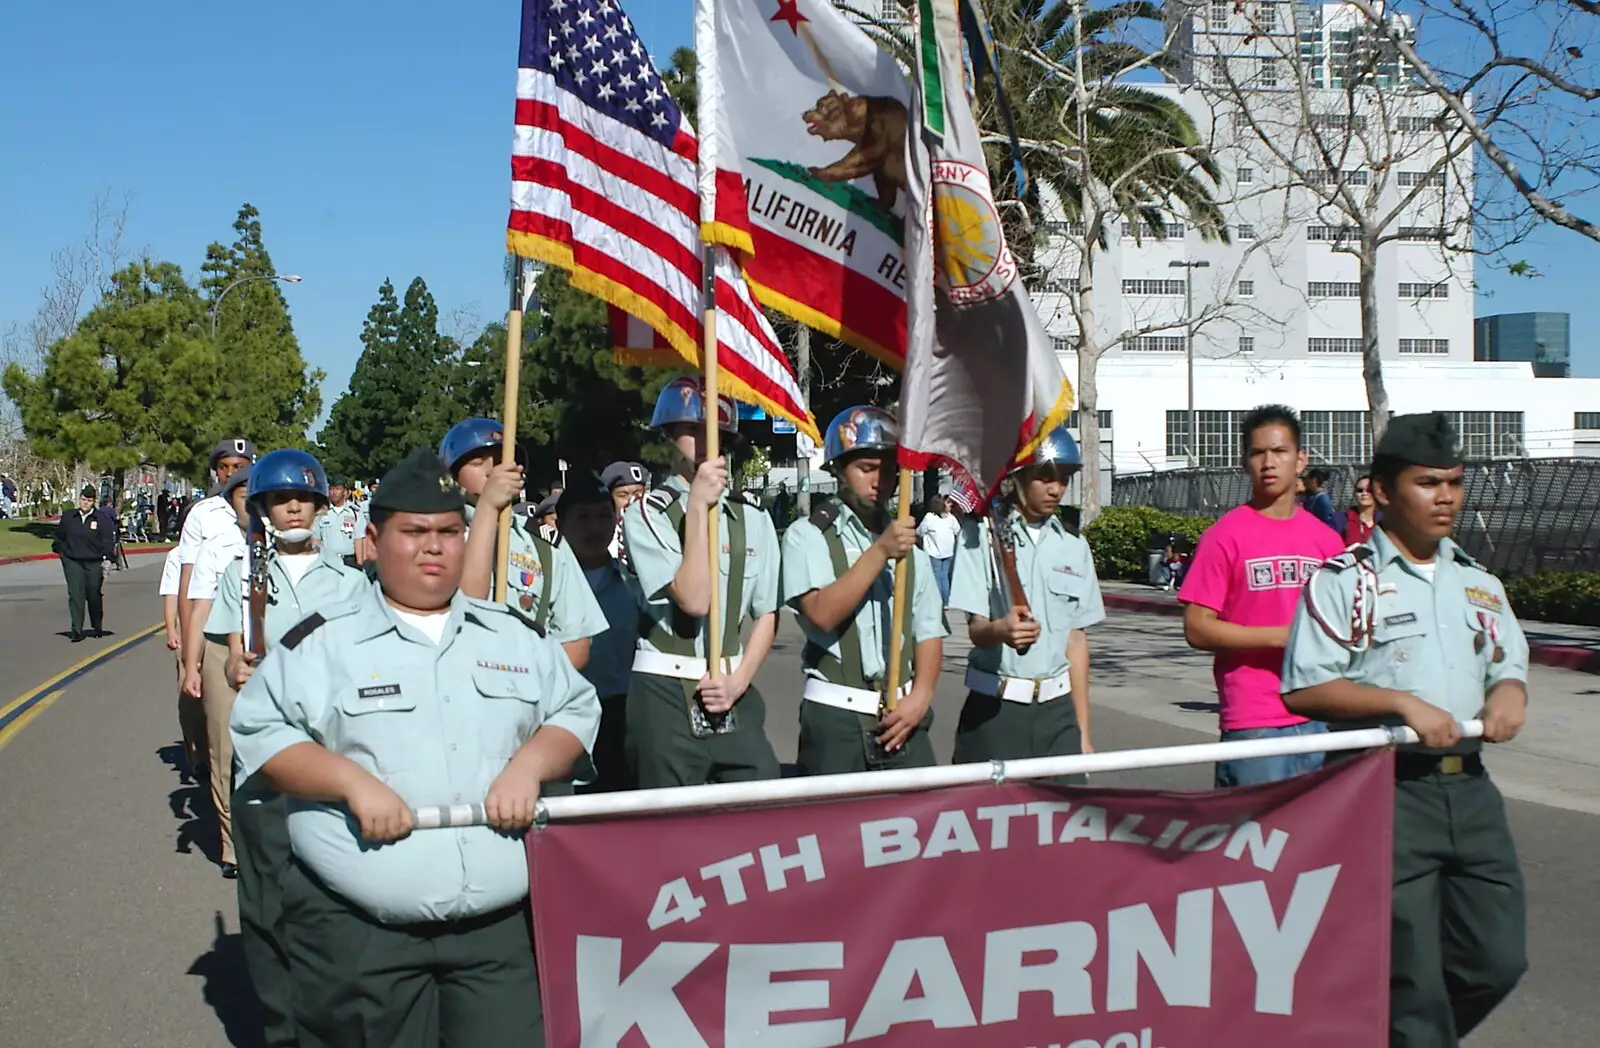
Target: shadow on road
227, 988
191, 806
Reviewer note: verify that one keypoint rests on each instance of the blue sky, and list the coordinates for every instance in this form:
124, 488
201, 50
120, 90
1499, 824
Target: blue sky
374, 145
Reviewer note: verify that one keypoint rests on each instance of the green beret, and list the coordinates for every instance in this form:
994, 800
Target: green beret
1427, 439
419, 485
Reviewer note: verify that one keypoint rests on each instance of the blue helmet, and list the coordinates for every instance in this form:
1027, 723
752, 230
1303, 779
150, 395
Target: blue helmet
466, 438
1057, 448
858, 429
287, 469
684, 400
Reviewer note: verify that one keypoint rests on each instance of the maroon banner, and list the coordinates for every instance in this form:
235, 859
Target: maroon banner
1017, 916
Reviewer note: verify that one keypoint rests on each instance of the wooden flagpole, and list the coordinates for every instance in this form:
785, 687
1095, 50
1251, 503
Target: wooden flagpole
713, 410
508, 417
897, 616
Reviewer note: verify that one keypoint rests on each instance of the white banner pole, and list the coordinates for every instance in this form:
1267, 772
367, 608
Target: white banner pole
831, 787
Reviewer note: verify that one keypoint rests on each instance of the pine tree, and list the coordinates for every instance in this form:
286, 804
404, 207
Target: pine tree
266, 391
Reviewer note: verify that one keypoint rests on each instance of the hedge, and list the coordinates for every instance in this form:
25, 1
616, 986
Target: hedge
1557, 596
1119, 533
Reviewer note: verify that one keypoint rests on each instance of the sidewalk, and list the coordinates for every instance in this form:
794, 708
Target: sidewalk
1549, 643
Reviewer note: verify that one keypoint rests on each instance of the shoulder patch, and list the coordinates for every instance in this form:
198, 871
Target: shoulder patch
302, 629
750, 498
660, 499
1350, 557
824, 513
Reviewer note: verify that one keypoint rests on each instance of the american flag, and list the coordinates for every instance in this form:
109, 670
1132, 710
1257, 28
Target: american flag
603, 184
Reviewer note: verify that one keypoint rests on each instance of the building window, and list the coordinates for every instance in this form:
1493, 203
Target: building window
1172, 231
1247, 344
1247, 288
1332, 178
1332, 234
1246, 231
1421, 233
1104, 415
1436, 347
1439, 290
1267, 16
1339, 121
1217, 438
1247, 176
1489, 434
1152, 287
1421, 178
1155, 344
1586, 420
1268, 77
1337, 436
1219, 15
1333, 289
1333, 345
1423, 123
1063, 344
1219, 68
1074, 228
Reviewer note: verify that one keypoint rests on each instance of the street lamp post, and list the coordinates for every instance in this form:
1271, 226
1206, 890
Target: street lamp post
1188, 348
288, 278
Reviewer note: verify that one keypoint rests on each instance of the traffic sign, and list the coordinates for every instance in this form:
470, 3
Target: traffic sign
782, 425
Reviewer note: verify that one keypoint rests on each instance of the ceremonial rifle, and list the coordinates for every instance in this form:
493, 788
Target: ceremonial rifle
255, 588
1003, 549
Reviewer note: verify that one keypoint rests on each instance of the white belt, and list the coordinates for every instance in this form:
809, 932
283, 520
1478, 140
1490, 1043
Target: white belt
856, 700
683, 667
1018, 689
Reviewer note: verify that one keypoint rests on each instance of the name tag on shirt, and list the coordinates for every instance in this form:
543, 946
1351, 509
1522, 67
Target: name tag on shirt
1400, 620
379, 691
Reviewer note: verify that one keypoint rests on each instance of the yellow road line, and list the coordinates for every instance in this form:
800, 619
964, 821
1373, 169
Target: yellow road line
14, 729
29, 702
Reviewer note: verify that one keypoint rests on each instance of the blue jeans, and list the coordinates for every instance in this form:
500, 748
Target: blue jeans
941, 575
1268, 769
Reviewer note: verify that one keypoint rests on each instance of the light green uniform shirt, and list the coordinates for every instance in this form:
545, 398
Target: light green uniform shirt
327, 582
1058, 578
807, 566
653, 555
436, 722
1425, 636
574, 613
337, 529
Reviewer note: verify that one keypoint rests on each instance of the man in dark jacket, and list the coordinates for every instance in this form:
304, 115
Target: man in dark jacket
82, 540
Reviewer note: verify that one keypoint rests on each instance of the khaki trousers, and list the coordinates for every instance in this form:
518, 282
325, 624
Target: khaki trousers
217, 700
191, 721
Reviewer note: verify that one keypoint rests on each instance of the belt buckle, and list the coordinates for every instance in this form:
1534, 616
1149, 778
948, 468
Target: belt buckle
1451, 764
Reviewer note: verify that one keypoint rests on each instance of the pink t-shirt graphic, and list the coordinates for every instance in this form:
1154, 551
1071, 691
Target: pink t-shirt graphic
1249, 569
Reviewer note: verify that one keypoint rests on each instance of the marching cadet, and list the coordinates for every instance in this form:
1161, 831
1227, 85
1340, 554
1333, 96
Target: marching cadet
1405, 628
1029, 658
838, 576
685, 727
543, 578
544, 517
588, 520
205, 655
412, 694
209, 518
287, 488
339, 526
626, 481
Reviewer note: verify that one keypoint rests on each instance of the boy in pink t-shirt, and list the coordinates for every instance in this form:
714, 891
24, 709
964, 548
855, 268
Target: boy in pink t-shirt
1240, 593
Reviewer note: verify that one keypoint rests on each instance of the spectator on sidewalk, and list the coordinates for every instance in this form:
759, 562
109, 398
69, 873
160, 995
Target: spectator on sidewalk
1318, 502
937, 536
1361, 518
1240, 593
82, 541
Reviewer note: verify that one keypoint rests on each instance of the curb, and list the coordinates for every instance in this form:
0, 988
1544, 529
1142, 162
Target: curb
1557, 656
130, 551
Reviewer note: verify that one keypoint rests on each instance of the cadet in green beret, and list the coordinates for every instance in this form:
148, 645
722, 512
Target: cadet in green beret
838, 576
412, 694
1405, 628
339, 527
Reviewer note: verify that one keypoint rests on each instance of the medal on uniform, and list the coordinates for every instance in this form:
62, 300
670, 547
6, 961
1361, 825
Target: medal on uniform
1489, 632
526, 600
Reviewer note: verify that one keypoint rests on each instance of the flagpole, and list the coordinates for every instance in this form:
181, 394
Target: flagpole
898, 614
713, 411
508, 418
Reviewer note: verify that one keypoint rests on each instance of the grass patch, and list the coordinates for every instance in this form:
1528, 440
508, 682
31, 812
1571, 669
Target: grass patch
29, 538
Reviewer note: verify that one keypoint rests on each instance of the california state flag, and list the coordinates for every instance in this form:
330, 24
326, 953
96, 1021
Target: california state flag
803, 164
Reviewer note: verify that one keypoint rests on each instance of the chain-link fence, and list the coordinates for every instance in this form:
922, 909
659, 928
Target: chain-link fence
1520, 515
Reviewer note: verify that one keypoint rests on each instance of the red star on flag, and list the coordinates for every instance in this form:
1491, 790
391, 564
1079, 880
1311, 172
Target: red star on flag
789, 11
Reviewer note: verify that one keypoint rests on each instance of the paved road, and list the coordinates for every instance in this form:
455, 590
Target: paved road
115, 928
